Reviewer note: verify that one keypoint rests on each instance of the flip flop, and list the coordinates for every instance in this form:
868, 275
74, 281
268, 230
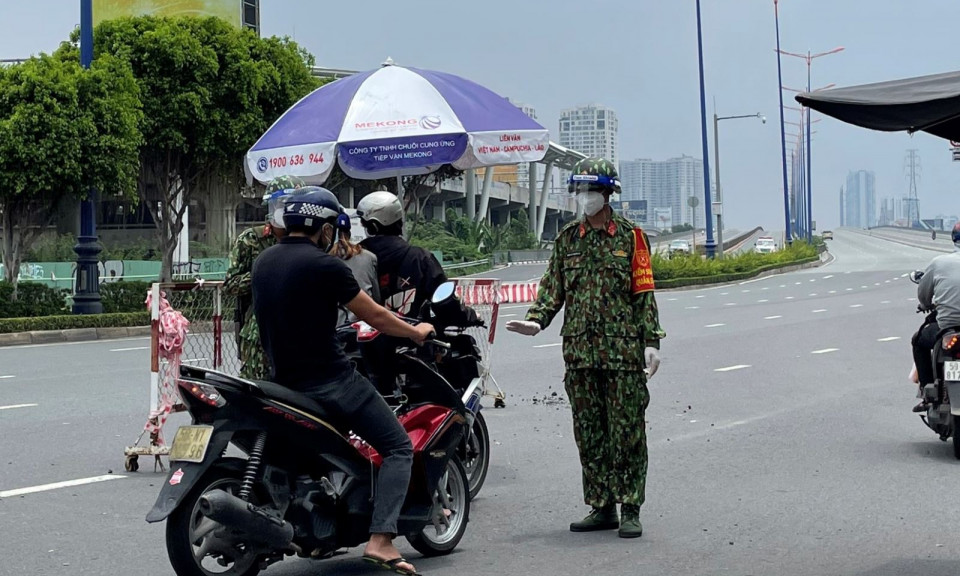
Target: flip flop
391, 565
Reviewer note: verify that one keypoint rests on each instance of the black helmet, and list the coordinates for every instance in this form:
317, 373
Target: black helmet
310, 208
594, 175
955, 234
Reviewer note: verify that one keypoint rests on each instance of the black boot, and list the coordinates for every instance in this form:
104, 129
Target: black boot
598, 519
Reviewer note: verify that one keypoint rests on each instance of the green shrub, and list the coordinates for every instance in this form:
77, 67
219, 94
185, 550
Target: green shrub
33, 299
67, 322
123, 296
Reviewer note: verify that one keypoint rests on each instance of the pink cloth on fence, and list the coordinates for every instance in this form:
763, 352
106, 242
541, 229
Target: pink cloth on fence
172, 333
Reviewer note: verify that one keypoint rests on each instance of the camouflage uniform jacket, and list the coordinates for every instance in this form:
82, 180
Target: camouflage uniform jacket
250, 243
605, 326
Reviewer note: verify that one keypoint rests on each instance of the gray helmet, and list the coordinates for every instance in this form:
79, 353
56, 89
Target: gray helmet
382, 208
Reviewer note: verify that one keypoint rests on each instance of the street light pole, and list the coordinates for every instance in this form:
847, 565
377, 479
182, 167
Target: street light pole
86, 299
716, 167
709, 245
783, 136
809, 58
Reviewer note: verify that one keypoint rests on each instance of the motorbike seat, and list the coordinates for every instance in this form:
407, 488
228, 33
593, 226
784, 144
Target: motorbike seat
293, 398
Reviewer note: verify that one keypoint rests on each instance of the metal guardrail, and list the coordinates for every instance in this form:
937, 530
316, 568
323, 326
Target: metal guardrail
463, 265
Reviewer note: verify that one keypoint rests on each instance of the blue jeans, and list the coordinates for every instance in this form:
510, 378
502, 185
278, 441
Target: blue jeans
355, 405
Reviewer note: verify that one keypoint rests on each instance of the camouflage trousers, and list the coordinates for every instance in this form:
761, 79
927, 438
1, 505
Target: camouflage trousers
609, 427
253, 360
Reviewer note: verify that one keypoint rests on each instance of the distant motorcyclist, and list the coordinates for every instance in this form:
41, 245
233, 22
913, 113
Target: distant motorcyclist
939, 291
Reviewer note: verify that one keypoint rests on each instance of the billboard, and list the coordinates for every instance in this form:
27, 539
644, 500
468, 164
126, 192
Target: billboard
230, 10
633, 210
663, 218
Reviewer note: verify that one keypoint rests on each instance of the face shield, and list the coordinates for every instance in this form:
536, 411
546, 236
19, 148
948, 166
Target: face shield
274, 205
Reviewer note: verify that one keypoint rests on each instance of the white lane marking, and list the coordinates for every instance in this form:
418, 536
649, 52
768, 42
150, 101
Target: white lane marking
828, 276
772, 317
849, 289
130, 349
724, 293
549, 345
671, 299
825, 351
910, 299
904, 275
783, 285
744, 291
886, 281
765, 288
12, 406
856, 305
57, 485
876, 284
701, 296
814, 294
517, 306
692, 308
863, 286
195, 360
789, 298
6, 377
730, 304
888, 339
885, 302
797, 283
819, 311
813, 279
833, 291
507, 315
762, 301
732, 368
714, 325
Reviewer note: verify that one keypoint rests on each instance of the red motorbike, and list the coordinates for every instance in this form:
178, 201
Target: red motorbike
303, 487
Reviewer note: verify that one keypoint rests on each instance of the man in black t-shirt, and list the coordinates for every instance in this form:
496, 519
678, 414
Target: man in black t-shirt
297, 290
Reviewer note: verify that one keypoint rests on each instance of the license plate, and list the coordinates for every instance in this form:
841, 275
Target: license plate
190, 443
951, 371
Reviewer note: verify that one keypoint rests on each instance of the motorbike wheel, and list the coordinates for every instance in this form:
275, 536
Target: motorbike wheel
191, 547
451, 510
475, 454
956, 440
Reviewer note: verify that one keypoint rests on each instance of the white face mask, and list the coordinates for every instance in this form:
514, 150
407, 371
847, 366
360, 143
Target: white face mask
591, 202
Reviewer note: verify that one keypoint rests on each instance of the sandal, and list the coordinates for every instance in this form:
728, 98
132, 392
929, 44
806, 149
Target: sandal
391, 565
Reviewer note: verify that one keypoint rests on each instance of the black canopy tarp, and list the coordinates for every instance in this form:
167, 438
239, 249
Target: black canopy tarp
927, 103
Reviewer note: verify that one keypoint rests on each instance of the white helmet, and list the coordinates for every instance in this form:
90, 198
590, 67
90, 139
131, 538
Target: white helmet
382, 208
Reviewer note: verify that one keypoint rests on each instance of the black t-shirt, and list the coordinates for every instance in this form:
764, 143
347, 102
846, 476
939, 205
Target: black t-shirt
297, 289
408, 274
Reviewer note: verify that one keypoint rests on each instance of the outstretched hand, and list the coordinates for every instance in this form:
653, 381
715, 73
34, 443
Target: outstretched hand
524, 327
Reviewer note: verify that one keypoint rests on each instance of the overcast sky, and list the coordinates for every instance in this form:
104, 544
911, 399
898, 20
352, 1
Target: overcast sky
640, 58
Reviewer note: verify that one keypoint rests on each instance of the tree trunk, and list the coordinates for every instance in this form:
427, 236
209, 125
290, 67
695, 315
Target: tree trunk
221, 192
165, 212
19, 234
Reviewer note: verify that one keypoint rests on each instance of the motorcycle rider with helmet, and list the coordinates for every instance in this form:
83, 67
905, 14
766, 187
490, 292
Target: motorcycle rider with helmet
297, 290
939, 290
408, 274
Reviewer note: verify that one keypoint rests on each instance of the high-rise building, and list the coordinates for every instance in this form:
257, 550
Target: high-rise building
665, 185
591, 130
860, 200
523, 170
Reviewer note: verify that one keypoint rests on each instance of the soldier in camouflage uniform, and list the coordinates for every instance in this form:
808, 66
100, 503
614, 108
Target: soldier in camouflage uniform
249, 244
600, 272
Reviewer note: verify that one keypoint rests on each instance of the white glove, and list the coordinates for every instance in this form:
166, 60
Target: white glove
652, 357
524, 327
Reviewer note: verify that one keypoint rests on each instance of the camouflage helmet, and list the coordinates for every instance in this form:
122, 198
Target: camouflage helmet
283, 183
594, 175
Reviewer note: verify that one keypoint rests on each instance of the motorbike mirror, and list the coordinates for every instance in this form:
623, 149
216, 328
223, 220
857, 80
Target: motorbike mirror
915, 276
444, 292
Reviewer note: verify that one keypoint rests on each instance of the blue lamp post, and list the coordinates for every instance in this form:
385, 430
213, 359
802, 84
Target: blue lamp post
710, 244
86, 299
783, 135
